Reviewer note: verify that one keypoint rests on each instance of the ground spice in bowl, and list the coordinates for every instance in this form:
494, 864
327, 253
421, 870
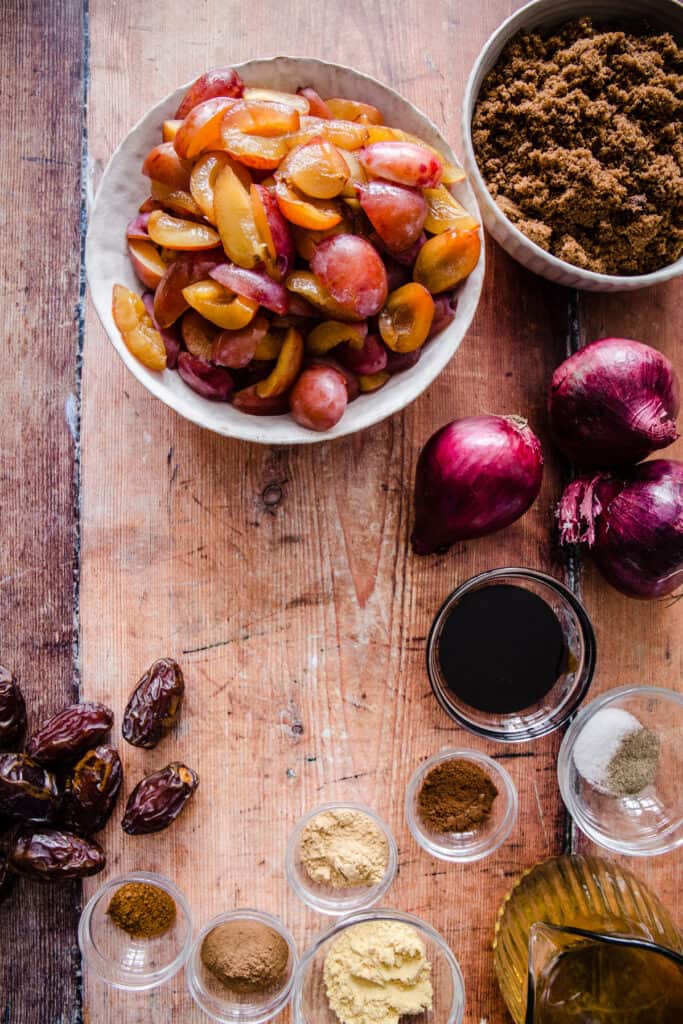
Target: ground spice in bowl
616, 754
246, 956
344, 848
456, 796
378, 972
143, 911
578, 135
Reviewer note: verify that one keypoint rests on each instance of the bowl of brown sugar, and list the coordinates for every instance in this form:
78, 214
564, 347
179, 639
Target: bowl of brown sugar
461, 805
573, 140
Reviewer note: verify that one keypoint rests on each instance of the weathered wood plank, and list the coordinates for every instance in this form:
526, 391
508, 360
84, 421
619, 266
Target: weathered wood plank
301, 625
41, 112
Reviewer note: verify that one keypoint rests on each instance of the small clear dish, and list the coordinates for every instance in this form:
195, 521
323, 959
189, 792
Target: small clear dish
324, 898
310, 1004
650, 822
477, 843
224, 1005
128, 963
570, 688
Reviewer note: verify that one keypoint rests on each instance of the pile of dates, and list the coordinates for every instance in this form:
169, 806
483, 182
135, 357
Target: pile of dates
60, 786
298, 251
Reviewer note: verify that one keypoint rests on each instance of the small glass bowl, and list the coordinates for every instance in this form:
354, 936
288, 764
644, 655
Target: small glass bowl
480, 842
127, 963
309, 1000
324, 898
649, 822
561, 701
228, 1007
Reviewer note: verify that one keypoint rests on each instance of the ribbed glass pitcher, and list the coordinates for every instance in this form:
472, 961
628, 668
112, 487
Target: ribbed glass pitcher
578, 976
586, 894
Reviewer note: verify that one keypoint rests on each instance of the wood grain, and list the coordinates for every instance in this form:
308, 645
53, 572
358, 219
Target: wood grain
41, 111
281, 579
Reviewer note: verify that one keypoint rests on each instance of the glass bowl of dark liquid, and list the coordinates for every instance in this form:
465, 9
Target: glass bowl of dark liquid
511, 654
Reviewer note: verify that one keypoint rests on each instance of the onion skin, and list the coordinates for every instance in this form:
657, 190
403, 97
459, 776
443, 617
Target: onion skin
613, 403
632, 524
474, 476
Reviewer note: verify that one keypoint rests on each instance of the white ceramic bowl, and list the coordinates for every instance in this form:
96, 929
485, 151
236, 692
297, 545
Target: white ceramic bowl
123, 188
666, 14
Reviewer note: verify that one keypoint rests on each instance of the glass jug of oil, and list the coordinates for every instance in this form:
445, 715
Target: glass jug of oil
578, 976
575, 935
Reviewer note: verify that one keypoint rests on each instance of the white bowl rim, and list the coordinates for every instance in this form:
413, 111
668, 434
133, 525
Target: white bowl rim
565, 762
456, 1012
259, 429
502, 33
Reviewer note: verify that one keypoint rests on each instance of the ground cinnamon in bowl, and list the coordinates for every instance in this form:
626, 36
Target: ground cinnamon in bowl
456, 796
246, 956
578, 135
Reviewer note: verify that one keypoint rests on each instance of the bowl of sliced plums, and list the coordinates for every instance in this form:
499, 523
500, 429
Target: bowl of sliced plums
285, 251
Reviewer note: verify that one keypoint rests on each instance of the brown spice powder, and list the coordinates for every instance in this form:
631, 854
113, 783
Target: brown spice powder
144, 911
579, 137
456, 796
245, 955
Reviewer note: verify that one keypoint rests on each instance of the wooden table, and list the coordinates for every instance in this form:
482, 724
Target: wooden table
281, 579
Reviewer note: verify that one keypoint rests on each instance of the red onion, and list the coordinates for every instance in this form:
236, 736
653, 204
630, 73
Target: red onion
474, 476
613, 403
632, 523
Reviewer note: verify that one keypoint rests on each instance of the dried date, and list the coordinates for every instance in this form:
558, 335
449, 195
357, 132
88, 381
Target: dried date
12, 712
70, 732
51, 854
154, 705
28, 791
90, 790
158, 799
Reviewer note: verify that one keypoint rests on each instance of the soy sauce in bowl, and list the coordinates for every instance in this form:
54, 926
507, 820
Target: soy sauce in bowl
511, 654
502, 649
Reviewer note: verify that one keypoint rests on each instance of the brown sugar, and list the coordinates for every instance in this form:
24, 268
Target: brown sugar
579, 137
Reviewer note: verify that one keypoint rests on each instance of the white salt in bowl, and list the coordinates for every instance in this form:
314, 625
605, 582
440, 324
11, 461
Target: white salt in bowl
123, 188
310, 1004
650, 822
663, 15
324, 898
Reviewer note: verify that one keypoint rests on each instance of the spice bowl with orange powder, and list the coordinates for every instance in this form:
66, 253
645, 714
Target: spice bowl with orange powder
135, 932
461, 805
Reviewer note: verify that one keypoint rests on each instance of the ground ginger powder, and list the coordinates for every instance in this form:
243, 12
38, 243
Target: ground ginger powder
377, 972
579, 137
343, 848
